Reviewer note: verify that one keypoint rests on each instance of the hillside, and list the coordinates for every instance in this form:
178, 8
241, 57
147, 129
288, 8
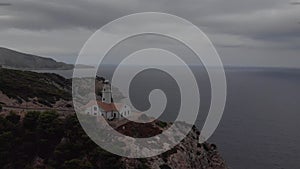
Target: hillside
45, 141
37, 90
48, 139
19, 60
40, 140
23, 86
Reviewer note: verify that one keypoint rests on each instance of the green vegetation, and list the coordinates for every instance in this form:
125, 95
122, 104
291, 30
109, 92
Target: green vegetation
46, 88
59, 143
21, 85
77, 164
165, 166
161, 124
167, 154
142, 164
13, 118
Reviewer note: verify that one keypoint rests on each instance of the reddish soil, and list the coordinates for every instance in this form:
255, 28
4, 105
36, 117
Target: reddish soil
139, 130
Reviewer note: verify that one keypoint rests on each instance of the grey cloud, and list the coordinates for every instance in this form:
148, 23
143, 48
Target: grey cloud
226, 16
263, 25
92, 14
295, 3
60, 45
5, 4
49, 15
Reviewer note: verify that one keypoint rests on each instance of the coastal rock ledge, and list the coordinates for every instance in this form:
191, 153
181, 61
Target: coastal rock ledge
188, 154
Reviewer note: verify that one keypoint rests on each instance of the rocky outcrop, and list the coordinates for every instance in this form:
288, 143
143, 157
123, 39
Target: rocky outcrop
188, 154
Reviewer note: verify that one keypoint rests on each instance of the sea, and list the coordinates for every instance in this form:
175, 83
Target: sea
260, 127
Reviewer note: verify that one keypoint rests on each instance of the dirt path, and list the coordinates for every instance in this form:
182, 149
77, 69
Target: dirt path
42, 109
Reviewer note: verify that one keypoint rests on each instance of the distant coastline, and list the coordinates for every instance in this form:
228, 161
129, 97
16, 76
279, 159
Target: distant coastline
12, 59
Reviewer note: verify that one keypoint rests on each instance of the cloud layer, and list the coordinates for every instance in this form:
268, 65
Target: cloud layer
249, 33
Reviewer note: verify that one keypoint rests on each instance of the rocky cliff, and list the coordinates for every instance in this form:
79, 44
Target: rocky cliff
188, 154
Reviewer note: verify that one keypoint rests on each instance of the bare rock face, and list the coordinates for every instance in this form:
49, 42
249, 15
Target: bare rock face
189, 154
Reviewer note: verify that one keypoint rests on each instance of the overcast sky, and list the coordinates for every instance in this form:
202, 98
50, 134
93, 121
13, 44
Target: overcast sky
245, 32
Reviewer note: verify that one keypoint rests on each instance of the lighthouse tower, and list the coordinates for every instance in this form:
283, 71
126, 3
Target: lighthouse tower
106, 92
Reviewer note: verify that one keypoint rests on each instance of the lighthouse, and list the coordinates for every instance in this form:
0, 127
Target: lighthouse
106, 107
106, 92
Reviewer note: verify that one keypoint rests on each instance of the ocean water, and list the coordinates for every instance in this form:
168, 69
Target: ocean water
261, 122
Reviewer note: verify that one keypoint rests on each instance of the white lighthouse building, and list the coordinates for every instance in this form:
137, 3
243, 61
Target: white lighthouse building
106, 107
106, 92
